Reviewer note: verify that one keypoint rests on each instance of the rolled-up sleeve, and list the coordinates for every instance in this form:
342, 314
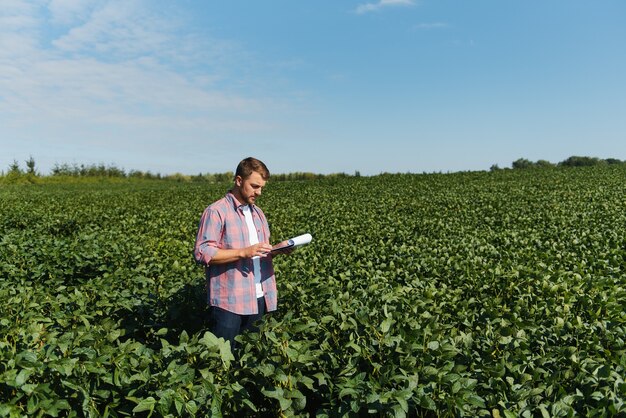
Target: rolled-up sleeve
209, 236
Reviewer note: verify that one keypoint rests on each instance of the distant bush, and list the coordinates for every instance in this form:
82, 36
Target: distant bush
576, 161
16, 175
544, 164
573, 161
522, 163
99, 170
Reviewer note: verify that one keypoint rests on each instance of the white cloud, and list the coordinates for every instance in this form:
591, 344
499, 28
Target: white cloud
120, 28
120, 55
69, 11
117, 75
372, 7
17, 21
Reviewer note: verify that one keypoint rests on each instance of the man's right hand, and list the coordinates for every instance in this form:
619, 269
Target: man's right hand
230, 255
261, 249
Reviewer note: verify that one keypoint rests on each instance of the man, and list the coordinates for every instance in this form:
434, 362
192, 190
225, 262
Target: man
233, 245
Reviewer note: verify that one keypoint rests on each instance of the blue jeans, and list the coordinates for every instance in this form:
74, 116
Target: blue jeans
228, 325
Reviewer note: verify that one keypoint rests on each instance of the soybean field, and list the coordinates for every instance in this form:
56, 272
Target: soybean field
494, 294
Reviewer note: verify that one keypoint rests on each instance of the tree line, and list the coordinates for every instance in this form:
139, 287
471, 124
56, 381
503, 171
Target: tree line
573, 161
76, 172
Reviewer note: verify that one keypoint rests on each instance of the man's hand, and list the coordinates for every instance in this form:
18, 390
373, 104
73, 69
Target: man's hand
261, 249
230, 255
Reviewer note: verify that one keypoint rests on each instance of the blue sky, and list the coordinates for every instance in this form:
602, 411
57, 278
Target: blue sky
193, 86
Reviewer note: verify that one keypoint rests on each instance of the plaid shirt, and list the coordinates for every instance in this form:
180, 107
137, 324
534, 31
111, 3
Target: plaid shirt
231, 285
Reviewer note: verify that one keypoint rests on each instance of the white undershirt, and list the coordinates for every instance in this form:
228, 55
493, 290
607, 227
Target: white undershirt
254, 239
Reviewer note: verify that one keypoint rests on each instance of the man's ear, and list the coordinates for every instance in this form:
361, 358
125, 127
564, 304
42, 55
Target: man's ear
238, 181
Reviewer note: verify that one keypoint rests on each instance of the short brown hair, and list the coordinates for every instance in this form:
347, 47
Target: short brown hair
249, 165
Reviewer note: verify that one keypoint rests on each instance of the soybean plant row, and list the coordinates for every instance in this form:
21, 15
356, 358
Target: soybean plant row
467, 294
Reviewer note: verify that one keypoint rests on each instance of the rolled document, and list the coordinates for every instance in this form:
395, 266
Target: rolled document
295, 242
300, 240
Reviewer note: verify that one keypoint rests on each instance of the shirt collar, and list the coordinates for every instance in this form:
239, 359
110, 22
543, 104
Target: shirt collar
235, 202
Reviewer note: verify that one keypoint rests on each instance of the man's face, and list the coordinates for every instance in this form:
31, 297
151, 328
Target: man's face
246, 191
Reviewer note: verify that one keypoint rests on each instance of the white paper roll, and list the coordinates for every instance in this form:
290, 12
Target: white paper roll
300, 240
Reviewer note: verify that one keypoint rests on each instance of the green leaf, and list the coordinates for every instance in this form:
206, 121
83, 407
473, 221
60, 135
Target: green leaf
510, 414
144, 405
433, 345
216, 407
285, 403
22, 377
191, 407
386, 324
403, 404
476, 401
347, 392
427, 402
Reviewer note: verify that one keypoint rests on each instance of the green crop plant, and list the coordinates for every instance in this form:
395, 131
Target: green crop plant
468, 294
